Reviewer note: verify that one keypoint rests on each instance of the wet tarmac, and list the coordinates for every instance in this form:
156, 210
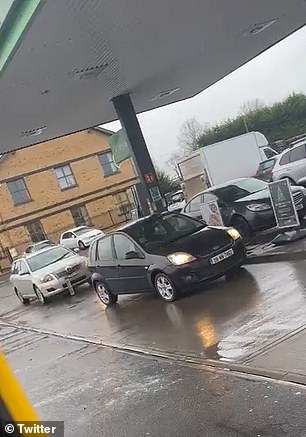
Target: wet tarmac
224, 320
100, 392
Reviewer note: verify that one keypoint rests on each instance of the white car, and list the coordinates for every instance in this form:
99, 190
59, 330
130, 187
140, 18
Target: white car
80, 237
47, 272
177, 201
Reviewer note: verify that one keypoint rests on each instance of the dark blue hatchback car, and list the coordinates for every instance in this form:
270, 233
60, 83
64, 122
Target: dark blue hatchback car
167, 253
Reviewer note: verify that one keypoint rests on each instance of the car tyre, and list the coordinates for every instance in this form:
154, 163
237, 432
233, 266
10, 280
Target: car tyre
42, 299
104, 294
165, 287
242, 226
81, 245
23, 300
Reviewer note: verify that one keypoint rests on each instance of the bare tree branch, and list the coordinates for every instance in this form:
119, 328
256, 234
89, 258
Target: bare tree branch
251, 106
189, 135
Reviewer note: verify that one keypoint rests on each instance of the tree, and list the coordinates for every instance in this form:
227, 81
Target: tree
171, 162
189, 135
166, 182
281, 120
251, 106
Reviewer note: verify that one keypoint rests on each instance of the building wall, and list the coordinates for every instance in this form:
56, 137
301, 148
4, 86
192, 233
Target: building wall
49, 203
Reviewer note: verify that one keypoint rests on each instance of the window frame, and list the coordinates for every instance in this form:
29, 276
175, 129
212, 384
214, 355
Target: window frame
29, 199
64, 177
93, 252
295, 149
66, 233
24, 264
41, 227
111, 237
137, 247
87, 221
285, 156
106, 173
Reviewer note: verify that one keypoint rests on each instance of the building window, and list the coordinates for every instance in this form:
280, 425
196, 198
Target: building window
65, 177
122, 202
18, 191
36, 231
80, 215
108, 164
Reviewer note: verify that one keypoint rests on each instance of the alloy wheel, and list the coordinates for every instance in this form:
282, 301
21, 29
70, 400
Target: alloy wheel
102, 293
40, 296
165, 288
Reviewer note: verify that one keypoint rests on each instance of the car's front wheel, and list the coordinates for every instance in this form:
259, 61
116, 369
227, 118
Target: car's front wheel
165, 287
104, 294
42, 299
23, 300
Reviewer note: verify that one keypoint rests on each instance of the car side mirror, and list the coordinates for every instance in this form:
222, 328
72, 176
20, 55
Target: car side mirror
133, 255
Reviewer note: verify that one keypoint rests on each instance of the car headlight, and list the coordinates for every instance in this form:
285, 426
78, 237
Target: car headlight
180, 258
258, 207
49, 277
233, 233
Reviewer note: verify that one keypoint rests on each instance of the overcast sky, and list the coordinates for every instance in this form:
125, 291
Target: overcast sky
269, 77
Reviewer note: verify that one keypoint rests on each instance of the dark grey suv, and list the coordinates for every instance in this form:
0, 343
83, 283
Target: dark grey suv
244, 204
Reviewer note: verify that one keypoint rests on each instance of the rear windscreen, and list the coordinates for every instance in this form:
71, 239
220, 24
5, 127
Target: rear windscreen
266, 165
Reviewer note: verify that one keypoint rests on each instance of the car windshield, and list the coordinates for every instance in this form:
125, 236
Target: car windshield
159, 230
83, 230
240, 189
43, 259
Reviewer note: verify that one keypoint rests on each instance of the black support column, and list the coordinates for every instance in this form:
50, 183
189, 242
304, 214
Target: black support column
148, 190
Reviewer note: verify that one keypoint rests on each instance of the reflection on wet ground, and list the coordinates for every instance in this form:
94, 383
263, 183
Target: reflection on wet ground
222, 320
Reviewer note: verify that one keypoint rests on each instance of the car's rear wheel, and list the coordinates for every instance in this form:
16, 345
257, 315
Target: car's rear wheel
165, 287
81, 245
42, 299
242, 226
23, 300
104, 294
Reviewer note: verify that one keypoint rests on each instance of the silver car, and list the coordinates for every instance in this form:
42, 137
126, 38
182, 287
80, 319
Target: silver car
50, 271
290, 164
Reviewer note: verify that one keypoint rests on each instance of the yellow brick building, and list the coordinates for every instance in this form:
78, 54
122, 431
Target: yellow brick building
59, 184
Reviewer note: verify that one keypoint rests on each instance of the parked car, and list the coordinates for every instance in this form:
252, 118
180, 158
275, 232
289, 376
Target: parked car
80, 237
35, 247
290, 164
50, 271
265, 169
166, 252
176, 201
244, 203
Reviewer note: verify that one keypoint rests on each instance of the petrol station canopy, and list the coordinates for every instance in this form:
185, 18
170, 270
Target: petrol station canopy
62, 61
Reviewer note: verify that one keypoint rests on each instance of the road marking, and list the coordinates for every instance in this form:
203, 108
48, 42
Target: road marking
239, 370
